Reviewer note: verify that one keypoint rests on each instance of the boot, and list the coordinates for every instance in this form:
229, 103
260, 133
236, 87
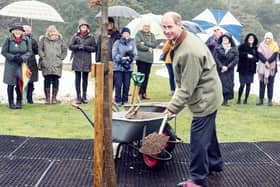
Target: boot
260, 102
54, 94
19, 103
269, 102
10, 91
238, 101
245, 100
47, 94
84, 98
79, 99
29, 93
225, 103
19, 98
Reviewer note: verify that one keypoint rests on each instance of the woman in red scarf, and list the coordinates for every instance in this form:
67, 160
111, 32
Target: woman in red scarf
16, 49
82, 45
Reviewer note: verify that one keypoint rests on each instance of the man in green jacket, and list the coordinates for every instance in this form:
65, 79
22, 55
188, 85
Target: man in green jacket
199, 88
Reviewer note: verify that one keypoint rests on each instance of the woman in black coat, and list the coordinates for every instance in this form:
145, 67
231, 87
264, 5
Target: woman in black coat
248, 58
82, 45
226, 57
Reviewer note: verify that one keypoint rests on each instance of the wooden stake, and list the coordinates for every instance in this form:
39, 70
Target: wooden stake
98, 124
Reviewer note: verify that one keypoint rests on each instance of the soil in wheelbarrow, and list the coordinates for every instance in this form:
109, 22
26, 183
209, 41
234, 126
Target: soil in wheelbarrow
139, 115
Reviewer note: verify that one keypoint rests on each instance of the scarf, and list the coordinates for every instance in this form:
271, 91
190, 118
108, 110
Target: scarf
169, 46
84, 34
267, 51
226, 47
18, 40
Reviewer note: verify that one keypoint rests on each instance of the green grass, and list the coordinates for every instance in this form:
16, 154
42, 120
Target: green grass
237, 123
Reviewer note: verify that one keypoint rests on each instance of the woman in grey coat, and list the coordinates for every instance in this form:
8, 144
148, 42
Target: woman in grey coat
16, 49
52, 51
145, 43
82, 45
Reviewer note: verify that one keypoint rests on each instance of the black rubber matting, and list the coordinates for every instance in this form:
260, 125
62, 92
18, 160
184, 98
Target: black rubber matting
48, 162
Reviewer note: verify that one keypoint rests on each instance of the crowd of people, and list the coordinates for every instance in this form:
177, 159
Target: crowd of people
20, 48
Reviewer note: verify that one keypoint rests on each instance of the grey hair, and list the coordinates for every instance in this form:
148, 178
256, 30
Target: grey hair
27, 27
175, 16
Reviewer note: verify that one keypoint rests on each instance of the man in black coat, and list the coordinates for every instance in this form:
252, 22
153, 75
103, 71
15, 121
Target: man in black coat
31, 63
113, 35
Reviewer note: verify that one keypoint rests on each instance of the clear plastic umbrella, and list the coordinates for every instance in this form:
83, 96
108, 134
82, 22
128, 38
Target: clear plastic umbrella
120, 11
31, 10
155, 23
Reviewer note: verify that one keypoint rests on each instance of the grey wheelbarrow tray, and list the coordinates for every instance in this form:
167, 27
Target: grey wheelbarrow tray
128, 130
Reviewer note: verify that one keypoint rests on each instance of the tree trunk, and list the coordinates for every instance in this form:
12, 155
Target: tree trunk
109, 166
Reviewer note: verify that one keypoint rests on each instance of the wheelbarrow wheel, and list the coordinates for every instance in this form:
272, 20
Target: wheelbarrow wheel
155, 164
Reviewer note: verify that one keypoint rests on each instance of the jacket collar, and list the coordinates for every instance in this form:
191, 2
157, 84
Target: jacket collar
179, 40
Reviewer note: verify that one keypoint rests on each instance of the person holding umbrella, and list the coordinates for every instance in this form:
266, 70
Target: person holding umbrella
82, 45
198, 87
145, 43
17, 50
31, 63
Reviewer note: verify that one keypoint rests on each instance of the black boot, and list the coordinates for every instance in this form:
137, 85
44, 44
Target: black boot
29, 93
84, 98
47, 94
260, 102
238, 101
54, 94
269, 102
19, 104
225, 103
19, 98
79, 99
10, 91
246, 99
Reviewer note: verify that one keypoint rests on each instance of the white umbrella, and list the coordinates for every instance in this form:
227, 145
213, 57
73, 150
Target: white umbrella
155, 23
120, 11
31, 10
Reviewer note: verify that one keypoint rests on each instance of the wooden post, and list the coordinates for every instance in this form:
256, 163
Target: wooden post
103, 114
98, 125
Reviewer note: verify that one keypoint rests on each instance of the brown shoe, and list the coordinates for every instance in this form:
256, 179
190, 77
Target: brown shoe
144, 96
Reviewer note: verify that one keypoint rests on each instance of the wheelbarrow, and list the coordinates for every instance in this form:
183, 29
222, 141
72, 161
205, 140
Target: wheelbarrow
132, 132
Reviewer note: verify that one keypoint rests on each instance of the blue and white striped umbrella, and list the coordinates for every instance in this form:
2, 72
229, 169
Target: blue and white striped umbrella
211, 19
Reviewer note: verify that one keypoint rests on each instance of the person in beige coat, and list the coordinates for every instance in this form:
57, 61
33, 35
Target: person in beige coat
52, 51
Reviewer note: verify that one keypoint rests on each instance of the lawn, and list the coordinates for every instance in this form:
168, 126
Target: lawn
236, 123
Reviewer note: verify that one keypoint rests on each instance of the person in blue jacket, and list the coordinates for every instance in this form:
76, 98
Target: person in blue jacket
123, 53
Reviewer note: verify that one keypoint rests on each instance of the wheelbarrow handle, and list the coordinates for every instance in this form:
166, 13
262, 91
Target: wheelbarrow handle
165, 118
85, 114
